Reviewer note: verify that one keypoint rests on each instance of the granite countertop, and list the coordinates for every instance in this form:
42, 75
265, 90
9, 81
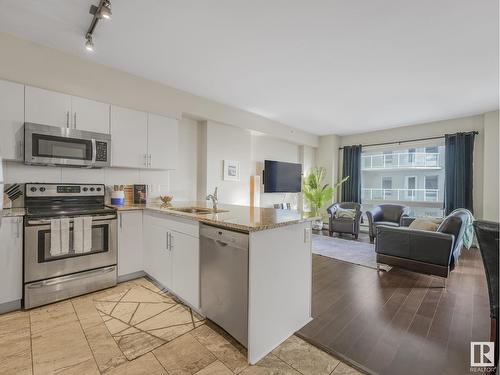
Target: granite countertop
240, 218
13, 212
127, 207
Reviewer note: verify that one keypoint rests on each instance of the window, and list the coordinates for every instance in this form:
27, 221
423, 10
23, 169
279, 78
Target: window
408, 174
386, 188
410, 187
411, 155
431, 188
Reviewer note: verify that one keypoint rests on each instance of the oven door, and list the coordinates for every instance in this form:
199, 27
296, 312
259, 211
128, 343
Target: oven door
40, 265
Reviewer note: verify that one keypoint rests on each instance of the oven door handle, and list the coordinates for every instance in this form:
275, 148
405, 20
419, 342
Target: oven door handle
94, 219
65, 279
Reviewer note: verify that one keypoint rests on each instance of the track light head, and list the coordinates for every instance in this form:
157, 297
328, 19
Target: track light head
89, 43
105, 11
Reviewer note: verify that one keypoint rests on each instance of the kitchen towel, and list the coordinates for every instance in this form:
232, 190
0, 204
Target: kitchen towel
64, 236
87, 234
78, 235
55, 237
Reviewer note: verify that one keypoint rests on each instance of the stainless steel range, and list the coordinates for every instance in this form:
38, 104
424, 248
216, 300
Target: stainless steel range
70, 242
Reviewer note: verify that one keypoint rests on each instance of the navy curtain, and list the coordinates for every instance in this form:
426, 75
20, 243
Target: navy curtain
459, 154
351, 166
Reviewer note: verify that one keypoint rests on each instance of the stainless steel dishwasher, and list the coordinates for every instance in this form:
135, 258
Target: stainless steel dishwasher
224, 279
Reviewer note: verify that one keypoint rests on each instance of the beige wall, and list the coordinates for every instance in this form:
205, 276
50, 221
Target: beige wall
491, 167
30, 63
327, 157
439, 128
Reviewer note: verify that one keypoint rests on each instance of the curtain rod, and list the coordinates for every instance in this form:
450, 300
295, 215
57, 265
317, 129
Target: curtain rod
406, 141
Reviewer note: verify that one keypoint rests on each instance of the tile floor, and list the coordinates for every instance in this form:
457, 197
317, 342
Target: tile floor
135, 328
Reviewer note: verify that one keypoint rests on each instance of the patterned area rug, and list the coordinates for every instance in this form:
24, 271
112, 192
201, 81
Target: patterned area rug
143, 317
350, 251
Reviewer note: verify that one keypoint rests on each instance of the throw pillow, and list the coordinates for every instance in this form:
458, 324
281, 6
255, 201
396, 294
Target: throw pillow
345, 213
426, 224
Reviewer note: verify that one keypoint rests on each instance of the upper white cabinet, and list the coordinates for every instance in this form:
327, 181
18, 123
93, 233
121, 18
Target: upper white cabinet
130, 243
57, 109
47, 107
162, 142
11, 120
129, 138
90, 115
11, 260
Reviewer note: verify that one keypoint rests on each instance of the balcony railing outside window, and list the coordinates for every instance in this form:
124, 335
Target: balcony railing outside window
401, 160
422, 195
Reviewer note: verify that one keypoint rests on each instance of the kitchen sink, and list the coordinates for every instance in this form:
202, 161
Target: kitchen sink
196, 210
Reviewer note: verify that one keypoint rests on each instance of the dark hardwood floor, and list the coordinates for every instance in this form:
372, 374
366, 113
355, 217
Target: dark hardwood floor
399, 322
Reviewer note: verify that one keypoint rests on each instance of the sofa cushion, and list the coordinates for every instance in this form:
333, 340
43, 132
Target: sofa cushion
345, 213
386, 223
429, 224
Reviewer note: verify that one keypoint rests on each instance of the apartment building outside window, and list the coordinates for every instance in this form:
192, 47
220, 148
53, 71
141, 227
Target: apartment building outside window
412, 175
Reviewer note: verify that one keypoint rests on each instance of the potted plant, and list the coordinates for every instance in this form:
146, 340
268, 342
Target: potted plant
318, 194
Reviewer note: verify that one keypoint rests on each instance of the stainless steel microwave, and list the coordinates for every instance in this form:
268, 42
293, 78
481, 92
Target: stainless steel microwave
51, 145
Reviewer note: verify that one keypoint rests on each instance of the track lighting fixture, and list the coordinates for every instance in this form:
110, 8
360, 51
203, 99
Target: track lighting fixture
105, 11
101, 11
89, 44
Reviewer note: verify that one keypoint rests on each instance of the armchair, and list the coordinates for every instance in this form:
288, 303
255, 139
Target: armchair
434, 253
384, 214
344, 224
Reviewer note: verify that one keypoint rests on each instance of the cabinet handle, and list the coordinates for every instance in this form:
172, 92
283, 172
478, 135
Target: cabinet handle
18, 230
67, 119
74, 120
120, 217
21, 151
146, 160
171, 242
150, 164
167, 237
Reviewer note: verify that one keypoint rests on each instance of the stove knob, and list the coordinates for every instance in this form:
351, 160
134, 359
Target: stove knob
85, 189
98, 189
42, 189
92, 189
33, 189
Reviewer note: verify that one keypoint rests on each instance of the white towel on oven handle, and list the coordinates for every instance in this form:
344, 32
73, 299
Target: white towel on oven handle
87, 234
64, 236
78, 235
55, 237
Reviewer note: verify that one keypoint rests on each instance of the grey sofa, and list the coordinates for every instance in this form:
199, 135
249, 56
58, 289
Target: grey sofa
385, 214
434, 253
342, 224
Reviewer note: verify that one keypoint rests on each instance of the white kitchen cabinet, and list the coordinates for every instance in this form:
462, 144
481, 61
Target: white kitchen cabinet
129, 138
11, 120
186, 267
89, 115
11, 261
162, 142
130, 242
157, 253
47, 107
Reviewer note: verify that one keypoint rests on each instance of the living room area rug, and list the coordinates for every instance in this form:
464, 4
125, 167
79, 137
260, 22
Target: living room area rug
351, 251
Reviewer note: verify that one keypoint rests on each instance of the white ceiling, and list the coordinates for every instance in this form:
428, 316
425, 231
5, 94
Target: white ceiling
326, 66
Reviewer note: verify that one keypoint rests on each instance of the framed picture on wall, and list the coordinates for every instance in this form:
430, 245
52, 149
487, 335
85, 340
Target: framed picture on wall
231, 170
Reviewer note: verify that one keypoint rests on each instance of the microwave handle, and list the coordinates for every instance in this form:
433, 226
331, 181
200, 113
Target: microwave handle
94, 151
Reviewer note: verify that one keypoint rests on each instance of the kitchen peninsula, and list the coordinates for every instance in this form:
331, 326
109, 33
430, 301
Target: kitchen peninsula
276, 295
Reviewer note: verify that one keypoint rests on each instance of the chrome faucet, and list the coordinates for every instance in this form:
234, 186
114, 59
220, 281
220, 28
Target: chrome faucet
214, 198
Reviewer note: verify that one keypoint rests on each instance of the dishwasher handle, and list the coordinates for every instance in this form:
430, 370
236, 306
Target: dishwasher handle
224, 237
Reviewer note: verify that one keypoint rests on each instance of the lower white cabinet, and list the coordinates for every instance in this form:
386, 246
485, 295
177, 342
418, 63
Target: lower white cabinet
186, 267
171, 255
157, 253
11, 260
130, 255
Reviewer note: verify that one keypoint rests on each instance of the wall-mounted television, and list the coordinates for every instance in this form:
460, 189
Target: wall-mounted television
281, 177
